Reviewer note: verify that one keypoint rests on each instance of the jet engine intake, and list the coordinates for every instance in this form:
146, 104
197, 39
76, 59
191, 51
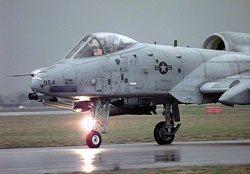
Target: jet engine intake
228, 41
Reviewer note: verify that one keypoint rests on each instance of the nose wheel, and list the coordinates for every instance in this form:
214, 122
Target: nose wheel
94, 139
96, 121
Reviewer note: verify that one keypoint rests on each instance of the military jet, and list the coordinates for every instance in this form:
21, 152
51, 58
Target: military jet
110, 74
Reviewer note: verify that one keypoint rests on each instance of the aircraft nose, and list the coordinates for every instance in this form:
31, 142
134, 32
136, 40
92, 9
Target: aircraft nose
35, 84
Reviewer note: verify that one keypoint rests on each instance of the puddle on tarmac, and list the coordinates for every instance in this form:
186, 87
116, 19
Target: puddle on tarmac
91, 159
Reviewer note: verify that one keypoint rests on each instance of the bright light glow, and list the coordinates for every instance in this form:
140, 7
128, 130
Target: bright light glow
88, 160
88, 156
83, 98
88, 123
78, 110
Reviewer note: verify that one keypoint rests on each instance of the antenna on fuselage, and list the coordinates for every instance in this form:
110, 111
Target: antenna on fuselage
175, 43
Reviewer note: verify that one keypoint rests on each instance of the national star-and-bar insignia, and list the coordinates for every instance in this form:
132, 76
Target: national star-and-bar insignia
163, 67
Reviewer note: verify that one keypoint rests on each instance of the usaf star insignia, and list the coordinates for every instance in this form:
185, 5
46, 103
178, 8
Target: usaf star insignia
163, 67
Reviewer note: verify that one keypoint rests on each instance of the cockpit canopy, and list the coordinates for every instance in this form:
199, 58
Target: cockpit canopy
98, 44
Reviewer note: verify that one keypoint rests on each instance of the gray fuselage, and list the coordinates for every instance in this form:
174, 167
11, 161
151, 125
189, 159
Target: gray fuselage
143, 70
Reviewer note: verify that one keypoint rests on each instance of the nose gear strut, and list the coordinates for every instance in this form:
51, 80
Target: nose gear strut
100, 112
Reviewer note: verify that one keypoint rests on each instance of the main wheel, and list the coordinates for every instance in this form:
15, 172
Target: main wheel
94, 139
161, 135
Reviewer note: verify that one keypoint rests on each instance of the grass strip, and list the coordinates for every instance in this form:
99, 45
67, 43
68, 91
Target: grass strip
65, 130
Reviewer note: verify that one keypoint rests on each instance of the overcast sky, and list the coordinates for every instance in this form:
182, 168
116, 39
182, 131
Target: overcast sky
37, 33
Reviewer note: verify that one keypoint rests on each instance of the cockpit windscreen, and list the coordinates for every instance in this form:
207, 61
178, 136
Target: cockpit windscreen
100, 43
92, 48
77, 47
113, 42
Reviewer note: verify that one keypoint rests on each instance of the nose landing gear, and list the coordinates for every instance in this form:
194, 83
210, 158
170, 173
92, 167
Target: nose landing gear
98, 122
164, 131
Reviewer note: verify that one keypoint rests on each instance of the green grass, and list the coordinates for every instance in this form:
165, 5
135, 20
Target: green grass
235, 169
65, 130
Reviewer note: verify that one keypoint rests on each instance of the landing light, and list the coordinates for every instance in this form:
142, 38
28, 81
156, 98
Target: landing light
88, 123
82, 98
78, 110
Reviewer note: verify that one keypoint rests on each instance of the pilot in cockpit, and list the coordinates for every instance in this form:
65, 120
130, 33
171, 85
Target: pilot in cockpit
95, 47
92, 48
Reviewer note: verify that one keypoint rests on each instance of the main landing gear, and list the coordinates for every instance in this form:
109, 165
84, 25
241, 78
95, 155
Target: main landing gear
164, 131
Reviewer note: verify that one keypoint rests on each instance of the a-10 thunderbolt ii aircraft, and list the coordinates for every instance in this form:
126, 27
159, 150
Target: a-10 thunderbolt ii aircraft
109, 72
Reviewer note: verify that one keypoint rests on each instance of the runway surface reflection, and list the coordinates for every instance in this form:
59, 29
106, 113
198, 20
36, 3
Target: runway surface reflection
123, 156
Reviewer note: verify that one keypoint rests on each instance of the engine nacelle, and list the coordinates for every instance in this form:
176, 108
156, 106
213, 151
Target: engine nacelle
228, 41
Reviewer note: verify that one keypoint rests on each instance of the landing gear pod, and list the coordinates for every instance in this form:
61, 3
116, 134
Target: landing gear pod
94, 139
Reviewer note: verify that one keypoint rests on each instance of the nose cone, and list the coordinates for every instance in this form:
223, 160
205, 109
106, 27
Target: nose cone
35, 84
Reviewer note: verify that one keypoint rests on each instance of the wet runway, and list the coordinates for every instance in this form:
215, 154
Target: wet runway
126, 156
